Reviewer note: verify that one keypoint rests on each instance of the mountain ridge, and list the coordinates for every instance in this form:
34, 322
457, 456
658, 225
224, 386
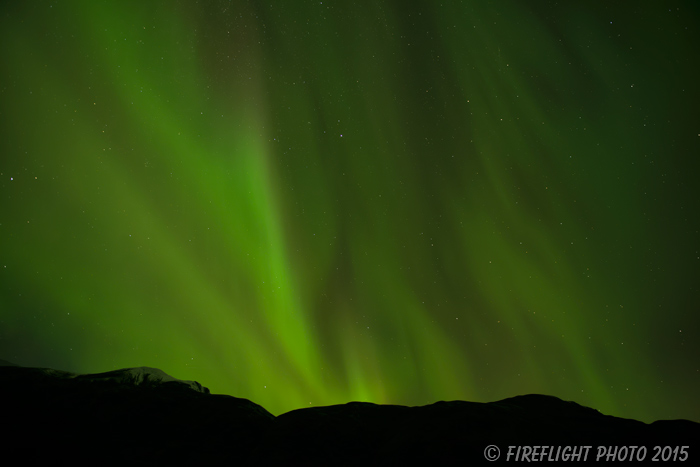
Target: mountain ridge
144, 414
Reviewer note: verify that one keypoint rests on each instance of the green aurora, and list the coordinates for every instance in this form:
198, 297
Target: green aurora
312, 202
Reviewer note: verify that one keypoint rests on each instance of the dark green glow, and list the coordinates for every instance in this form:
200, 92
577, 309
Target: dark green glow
399, 202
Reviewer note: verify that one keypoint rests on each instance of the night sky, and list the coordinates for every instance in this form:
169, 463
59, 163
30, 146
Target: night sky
306, 203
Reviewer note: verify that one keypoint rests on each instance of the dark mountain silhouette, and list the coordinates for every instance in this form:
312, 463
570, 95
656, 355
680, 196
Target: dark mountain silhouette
143, 416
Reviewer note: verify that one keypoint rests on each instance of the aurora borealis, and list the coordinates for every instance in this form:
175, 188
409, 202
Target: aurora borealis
307, 203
